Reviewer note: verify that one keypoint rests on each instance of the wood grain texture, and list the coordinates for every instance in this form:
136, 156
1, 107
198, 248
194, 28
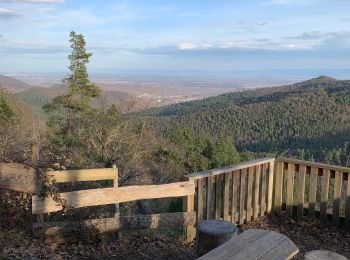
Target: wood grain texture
226, 204
235, 178
271, 170
218, 196
200, 200
85, 198
229, 168
301, 199
263, 190
313, 191
18, 177
256, 209
290, 188
337, 197
324, 194
279, 186
242, 196
209, 197
117, 223
254, 244
83, 175
347, 207
249, 194
188, 206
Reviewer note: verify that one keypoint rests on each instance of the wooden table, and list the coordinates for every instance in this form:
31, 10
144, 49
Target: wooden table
255, 244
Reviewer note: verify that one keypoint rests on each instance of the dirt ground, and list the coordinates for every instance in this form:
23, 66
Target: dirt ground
307, 234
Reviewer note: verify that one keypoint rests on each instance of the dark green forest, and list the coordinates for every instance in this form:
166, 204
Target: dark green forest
308, 120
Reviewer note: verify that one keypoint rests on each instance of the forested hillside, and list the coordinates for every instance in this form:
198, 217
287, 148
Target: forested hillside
310, 119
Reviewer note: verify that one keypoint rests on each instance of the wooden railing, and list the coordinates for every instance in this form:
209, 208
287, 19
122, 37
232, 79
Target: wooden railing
313, 189
237, 193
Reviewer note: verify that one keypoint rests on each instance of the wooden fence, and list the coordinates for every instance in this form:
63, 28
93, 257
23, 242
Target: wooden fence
313, 189
238, 193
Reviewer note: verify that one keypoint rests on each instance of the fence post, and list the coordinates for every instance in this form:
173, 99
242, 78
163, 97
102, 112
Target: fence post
35, 162
188, 206
117, 210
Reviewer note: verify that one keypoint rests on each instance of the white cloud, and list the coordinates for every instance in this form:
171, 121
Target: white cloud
7, 13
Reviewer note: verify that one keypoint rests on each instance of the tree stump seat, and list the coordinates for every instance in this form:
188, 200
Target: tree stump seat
323, 255
213, 233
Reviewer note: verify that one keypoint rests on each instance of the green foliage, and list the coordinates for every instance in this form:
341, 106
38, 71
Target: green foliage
66, 110
8, 110
310, 119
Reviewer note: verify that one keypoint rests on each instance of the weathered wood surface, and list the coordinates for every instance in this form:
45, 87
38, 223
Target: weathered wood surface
324, 255
279, 185
301, 199
85, 198
290, 188
230, 168
118, 223
18, 177
314, 164
213, 233
83, 175
255, 244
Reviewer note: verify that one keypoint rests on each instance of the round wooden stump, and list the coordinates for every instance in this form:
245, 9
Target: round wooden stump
323, 255
212, 233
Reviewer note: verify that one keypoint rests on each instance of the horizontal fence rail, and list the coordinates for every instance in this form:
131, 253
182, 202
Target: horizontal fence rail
237, 193
313, 189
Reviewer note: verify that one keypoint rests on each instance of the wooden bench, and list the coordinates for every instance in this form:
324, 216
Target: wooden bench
255, 244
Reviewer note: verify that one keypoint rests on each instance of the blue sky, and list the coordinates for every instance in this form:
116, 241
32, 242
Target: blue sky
176, 35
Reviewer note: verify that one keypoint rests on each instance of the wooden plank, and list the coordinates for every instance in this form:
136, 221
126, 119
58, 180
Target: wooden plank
313, 191
263, 191
234, 196
242, 196
314, 164
115, 185
270, 186
290, 188
226, 215
257, 192
230, 168
85, 198
337, 197
284, 250
82, 175
324, 194
199, 200
347, 208
301, 200
218, 197
209, 197
188, 206
232, 246
117, 223
19, 177
279, 185
249, 194
254, 244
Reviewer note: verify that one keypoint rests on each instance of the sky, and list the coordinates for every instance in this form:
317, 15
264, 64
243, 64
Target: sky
173, 35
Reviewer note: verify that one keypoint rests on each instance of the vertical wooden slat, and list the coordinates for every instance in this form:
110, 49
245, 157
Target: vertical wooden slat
337, 196
242, 196
270, 186
209, 197
347, 208
115, 185
301, 200
226, 203
290, 187
235, 176
199, 200
256, 191
313, 191
249, 194
263, 191
279, 186
218, 196
188, 206
324, 194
